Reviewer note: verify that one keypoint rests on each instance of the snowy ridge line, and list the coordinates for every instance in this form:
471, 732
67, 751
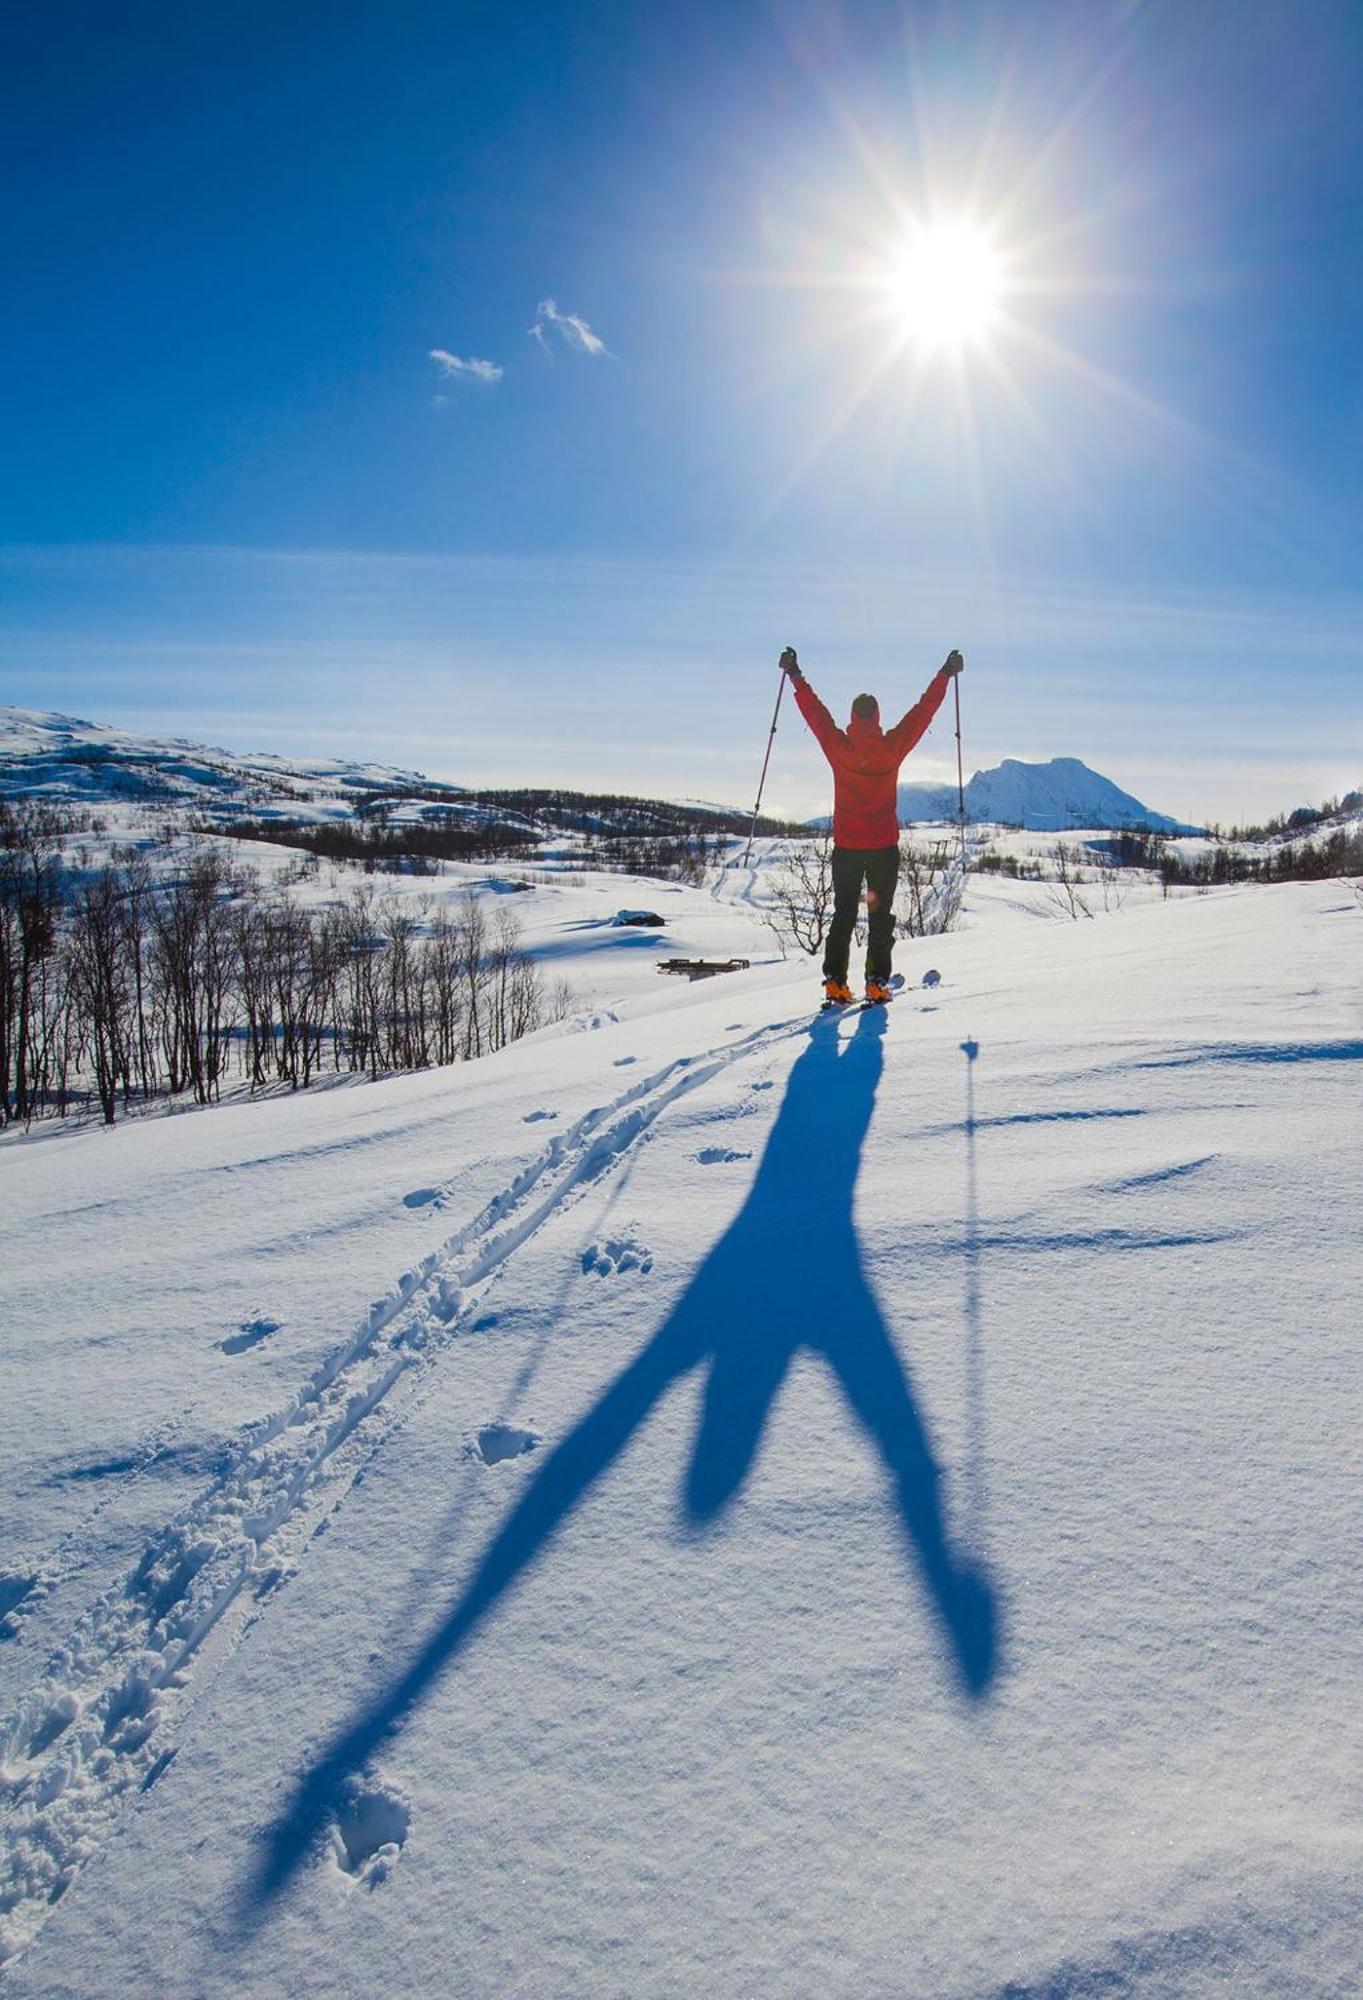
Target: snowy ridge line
84, 1739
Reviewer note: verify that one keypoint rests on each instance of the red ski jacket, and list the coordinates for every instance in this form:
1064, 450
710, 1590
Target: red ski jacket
866, 761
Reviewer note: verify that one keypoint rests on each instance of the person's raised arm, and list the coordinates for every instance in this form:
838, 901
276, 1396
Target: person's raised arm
825, 730
911, 727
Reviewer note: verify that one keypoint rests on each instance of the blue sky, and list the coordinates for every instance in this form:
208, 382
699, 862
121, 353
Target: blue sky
243, 500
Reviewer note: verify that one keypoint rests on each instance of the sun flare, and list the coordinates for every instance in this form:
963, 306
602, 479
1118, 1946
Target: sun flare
944, 287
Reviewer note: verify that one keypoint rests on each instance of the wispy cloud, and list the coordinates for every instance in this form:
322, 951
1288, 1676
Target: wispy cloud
473, 369
571, 328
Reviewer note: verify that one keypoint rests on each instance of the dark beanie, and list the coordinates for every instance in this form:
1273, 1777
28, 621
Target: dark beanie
867, 707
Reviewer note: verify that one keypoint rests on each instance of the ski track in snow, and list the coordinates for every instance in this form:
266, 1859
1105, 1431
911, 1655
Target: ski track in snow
723, 882
90, 1735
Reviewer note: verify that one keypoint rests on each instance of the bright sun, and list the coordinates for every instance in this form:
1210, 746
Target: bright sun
945, 286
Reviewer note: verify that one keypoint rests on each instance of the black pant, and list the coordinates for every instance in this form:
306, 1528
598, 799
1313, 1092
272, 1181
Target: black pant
878, 867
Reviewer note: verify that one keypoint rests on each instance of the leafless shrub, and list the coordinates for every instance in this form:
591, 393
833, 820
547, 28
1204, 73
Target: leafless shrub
801, 895
1064, 892
1114, 886
932, 885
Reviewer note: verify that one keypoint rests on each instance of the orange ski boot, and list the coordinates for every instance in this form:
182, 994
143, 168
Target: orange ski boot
837, 993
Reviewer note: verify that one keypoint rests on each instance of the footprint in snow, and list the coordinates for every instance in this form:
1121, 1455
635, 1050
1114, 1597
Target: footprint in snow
761, 1086
623, 1062
534, 1117
495, 1443
15, 1586
58, 1719
720, 1156
421, 1197
617, 1253
250, 1334
369, 1831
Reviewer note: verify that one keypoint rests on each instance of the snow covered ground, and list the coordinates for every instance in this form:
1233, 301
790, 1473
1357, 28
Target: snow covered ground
725, 1503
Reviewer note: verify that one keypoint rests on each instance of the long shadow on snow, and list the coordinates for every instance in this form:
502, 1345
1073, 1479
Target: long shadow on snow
786, 1274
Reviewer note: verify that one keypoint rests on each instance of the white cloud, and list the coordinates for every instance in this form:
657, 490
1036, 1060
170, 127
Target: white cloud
570, 326
472, 370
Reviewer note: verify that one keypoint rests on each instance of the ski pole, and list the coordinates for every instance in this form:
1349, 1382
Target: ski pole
765, 761
960, 775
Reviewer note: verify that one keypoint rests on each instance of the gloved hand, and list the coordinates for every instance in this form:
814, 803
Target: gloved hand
790, 665
954, 663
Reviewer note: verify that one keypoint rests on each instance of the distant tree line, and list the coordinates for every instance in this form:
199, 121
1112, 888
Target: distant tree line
583, 812
1302, 820
1339, 852
682, 857
1017, 869
414, 848
376, 844
122, 985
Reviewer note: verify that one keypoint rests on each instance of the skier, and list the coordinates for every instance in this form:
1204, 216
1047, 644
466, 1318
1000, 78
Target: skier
866, 761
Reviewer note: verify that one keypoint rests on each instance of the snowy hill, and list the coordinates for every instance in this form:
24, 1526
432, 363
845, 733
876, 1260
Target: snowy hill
729, 1503
61, 757
1061, 794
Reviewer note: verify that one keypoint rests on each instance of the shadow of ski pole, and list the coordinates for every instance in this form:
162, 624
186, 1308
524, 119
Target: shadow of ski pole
976, 1445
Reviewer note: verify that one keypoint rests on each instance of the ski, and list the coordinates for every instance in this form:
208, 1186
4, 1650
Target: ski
898, 984
895, 983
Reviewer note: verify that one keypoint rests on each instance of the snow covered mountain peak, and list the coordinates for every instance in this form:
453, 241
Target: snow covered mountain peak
1045, 797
